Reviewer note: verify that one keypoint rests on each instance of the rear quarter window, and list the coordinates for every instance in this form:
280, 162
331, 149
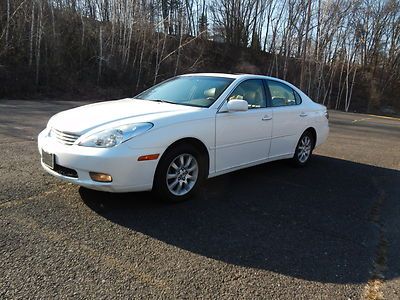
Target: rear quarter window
282, 94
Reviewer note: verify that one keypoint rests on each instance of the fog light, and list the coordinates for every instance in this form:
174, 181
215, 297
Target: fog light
101, 177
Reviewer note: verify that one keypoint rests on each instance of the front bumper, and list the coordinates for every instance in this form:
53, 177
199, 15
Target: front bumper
121, 162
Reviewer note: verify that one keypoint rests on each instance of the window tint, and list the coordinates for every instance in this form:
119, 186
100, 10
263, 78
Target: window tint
199, 91
282, 95
252, 91
298, 98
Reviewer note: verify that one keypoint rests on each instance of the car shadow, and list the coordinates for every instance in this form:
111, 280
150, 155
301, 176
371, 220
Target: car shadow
317, 223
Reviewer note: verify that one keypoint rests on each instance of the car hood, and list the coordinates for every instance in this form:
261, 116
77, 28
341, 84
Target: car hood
85, 118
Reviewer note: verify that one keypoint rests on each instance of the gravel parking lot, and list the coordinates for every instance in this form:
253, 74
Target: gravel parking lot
327, 231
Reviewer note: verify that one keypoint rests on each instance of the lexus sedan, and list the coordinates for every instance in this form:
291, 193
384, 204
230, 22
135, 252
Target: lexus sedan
174, 135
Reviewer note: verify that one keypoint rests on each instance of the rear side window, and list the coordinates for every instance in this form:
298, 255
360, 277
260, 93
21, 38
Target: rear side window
282, 95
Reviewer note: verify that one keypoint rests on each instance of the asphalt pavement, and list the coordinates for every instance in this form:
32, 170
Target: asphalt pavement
330, 230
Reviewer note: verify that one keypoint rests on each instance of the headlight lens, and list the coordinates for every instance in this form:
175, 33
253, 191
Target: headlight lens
114, 136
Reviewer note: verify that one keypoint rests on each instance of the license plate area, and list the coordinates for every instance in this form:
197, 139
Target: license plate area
48, 159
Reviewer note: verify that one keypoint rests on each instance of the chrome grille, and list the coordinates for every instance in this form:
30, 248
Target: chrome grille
63, 137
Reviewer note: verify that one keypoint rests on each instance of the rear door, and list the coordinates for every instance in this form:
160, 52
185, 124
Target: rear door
289, 118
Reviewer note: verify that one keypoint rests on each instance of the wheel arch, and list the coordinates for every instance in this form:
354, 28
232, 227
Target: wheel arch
313, 133
195, 142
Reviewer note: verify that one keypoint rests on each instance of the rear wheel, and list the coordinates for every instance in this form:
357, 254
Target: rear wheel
179, 174
304, 149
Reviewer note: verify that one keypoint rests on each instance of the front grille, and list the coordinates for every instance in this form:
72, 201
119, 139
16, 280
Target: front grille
65, 171
63, 137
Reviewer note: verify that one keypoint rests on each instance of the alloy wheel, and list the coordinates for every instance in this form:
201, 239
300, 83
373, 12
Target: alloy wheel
182, 174
304, 149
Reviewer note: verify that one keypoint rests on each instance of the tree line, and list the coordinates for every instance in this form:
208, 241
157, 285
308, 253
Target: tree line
343, 53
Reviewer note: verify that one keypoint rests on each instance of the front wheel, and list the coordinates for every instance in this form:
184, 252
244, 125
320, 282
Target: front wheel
179, 174
304, 149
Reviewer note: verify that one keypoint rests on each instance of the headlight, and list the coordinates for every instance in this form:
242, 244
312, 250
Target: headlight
114, 136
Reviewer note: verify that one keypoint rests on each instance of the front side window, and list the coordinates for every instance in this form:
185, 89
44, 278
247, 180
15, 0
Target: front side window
201, 91
252, 91
282, 95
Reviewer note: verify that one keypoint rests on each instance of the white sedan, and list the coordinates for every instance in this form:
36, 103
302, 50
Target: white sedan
176, 134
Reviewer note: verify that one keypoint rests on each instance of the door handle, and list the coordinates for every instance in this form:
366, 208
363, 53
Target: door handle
303, 114
266, 118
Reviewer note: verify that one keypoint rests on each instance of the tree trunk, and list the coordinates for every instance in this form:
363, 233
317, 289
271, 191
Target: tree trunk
303, 59
100, 55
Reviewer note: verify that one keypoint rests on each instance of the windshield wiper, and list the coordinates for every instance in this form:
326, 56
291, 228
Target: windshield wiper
162, 101
165, 101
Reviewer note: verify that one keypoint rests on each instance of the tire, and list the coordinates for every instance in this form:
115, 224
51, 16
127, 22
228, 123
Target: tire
179, 174
304, 149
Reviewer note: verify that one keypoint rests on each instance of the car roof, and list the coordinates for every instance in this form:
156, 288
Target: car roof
225, 75
233, 76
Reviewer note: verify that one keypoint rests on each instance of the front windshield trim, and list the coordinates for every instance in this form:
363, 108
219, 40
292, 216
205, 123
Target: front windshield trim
228, 79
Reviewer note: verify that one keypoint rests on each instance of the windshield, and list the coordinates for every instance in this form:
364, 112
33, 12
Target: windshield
201, 91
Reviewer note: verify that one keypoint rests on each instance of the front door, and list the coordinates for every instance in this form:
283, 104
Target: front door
244, 137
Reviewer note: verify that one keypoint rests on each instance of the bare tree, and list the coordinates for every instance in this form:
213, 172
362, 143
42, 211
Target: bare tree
332, 49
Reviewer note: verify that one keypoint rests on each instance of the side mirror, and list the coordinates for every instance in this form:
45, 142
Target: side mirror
237, 105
